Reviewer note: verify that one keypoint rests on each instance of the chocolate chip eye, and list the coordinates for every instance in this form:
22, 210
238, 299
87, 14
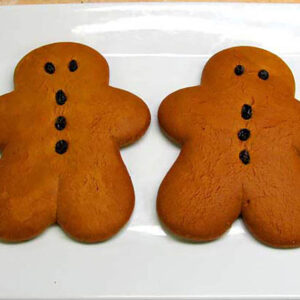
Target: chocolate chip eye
49, 68
263, 74
239, 70
73, 65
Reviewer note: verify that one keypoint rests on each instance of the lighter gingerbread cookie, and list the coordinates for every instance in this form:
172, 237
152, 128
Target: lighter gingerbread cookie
60, 134
239, 132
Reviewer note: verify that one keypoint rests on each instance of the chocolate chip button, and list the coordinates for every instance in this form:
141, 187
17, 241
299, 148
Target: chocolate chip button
60, 123
49, 68
61, 147
239, 70
73, 65
60, 97
246, 112
263, 74
244, 134
245, 157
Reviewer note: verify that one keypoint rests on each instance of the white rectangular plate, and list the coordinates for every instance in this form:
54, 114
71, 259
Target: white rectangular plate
152, 50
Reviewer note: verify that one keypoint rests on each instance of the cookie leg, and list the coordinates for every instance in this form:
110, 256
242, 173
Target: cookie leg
198, 200
272, 213
27, 199
96, 197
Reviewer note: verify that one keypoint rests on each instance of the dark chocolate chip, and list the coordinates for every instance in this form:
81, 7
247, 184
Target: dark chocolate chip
60, 97
246, 112
244, 134
263, 74
61, 147
49, 68
73, 65
245, 157
239, 70
60, 123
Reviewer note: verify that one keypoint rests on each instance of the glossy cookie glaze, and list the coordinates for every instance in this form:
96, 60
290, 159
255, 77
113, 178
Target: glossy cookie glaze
239, 133
60, 134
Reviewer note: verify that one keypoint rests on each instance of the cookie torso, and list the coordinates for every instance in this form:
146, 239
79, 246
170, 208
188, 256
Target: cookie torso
64, 143
231, 162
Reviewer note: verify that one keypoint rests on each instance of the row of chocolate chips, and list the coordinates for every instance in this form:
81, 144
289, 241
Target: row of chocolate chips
262, 74
244, 134
246, 113
50, 68
61, 146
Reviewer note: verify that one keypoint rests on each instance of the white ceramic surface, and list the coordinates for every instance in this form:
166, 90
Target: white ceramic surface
152, 50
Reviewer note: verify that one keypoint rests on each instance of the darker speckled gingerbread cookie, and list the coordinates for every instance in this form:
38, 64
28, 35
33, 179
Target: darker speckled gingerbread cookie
239, 132
60, 134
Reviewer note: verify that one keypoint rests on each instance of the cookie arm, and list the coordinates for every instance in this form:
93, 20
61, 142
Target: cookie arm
295, 127
129, 116
5, 118
176, 112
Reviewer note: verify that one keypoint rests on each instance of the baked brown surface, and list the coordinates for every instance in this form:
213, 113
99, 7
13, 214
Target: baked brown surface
213, 181
85, 188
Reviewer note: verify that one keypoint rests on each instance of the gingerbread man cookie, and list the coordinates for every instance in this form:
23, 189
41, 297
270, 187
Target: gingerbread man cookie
239, 132
60, 134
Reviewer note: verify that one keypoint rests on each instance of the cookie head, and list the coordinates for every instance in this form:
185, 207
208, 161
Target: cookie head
248, 67
72, 63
